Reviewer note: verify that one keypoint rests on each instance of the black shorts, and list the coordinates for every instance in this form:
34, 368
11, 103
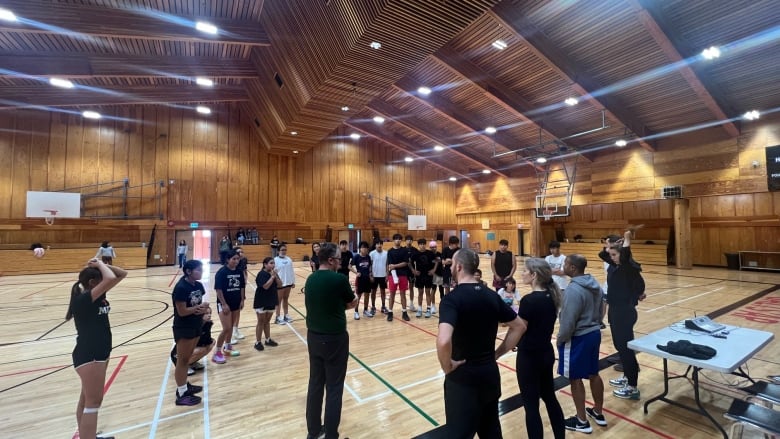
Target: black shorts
447, 278
423, 281
234, 303
379, 282
83, 355
363, 285
186, 332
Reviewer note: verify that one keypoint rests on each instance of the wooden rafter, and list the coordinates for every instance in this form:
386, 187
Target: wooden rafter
537, 42
45, 17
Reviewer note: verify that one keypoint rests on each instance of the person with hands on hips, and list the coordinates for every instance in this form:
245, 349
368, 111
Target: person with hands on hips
468, 323
230, 285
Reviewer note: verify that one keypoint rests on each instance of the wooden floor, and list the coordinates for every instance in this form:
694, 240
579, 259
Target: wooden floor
393, 387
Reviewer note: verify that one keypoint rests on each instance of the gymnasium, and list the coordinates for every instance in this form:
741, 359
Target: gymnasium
142, 124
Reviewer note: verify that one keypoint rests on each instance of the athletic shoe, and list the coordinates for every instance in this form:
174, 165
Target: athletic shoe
419, 313
428, 314
384, 310
357, 315
433, 309
287, 318
598, 419
187, 399
219, 357
389, 316
190, 371
259, 346
627, 392
619, 382
193, 388
574, 424
239, 335
197, 366
603, 326
230, 350
280, 321
233, 339
271, 342
412, 308
373, 311
618, 367
405, 316
368, 313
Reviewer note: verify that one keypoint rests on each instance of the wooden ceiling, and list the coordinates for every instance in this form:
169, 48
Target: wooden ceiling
634, 65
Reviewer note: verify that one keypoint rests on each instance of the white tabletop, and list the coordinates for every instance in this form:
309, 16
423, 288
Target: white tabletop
739, 345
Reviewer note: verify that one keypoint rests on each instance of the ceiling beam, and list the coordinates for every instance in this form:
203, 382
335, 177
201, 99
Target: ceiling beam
84, 65
46, 17
33, 96
390, 112
402, 146
511, 17
650, 17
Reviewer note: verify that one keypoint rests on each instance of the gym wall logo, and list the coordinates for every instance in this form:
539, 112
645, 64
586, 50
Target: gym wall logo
766, 310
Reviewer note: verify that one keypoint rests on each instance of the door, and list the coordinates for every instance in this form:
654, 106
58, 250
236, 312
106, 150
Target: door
201, 245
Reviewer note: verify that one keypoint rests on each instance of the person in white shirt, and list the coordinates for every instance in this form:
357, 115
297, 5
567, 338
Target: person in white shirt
556, 260
378, 275
283, 266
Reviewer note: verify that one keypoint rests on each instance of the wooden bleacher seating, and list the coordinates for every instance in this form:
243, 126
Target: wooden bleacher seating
649, 254
67, 260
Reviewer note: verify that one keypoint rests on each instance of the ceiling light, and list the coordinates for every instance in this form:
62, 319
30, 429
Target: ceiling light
408, 159
345, 108
711, 52
355, 136
206, 27
752, 115
453, 179
203, 110
294, 133
490, 130
438, 148
374, 45
59, 82
486, 171
425, 91
499, 44
379, 119
7, 15
541, 160
206, 82
91, 114
295, 152
621, 143
571, 102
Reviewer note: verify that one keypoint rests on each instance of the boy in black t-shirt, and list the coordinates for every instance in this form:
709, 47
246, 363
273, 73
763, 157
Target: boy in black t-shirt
346, 258
398, 266
361, 266
446, 260
411, 253
423, 267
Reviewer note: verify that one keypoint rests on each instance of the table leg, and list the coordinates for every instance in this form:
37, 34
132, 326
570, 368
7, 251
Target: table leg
702, 410
666, 387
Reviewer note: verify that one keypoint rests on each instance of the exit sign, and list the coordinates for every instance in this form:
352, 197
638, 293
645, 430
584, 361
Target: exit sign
193, 225
350, 226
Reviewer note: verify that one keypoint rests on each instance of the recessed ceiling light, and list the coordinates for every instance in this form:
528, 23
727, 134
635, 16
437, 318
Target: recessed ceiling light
752, 115
91, 114
294, 133
345, 108
206, 82
541, 160
408, 159
490, 130
453, 179
711, 52
295, 152
425, 91
203, 110
206, 27
621, 143
379, 119
59, 82
438, 148
571, 101
7, 15
355, 136
486, 171
374, 45
499, 44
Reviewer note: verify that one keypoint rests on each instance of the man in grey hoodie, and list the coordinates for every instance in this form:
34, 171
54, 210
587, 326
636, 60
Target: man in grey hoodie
579, 338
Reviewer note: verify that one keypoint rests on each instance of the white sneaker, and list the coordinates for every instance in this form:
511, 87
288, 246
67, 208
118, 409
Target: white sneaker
190, 371
233, 339
280, 321
287, 318
357, 315
419, 312
239, 335
433, 309
368, 313
412, 307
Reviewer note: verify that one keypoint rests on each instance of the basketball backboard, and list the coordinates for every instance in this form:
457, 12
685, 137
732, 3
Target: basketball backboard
418, 222
41, 204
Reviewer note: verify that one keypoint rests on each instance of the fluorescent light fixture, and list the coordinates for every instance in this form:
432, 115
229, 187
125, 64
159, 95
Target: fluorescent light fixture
203, 110
355, 136
453, 179
374, 45
7, 15
379, 119
711, 52
425, 91
408, 159
294, 133
571, 101
438, 148
206, 82
59, 82
206, 27
295, 152
490, 130
486, 171
499, 44
345, 108
752, 115
91, 114
621, 143
541, 160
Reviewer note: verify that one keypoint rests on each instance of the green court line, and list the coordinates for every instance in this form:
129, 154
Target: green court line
383, 381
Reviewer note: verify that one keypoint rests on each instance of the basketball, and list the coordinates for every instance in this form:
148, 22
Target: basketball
38, 252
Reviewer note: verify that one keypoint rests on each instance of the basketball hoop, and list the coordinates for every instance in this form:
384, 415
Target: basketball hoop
50, 218
547, 214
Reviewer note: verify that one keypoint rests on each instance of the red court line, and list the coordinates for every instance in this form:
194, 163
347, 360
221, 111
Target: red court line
40, 291
122, 359
110, 381
174, 278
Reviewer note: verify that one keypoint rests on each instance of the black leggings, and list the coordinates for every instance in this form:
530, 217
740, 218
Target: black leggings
535, 377
621, 323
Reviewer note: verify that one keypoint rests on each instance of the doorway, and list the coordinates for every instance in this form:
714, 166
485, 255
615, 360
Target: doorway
201, 245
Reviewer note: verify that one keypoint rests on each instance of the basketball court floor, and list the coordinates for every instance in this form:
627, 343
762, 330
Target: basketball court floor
393, 386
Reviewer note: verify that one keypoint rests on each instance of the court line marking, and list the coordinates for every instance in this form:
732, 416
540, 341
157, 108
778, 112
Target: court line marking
206, 415
144, 424
671, 289
395, 360
406, 386
108, 383
158, 409
686, 299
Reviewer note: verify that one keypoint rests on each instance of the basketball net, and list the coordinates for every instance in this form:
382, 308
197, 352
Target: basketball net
547, 214
50, 218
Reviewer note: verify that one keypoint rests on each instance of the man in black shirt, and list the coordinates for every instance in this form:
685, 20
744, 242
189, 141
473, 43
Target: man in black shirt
446, 260
503, 264
465, 346
423, 267
411, 253
346, 258
398, 267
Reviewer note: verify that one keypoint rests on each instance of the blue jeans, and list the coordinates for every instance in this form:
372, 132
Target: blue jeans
182, 259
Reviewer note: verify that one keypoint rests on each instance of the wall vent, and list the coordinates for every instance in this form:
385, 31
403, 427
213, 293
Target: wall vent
671, 192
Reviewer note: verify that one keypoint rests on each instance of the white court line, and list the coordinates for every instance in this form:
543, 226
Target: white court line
388, 392
144, 424
670, 290
395, 360
206, 420
686, 299
156, 419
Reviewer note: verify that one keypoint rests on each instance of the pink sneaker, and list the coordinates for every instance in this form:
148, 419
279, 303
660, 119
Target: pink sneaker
218, 358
